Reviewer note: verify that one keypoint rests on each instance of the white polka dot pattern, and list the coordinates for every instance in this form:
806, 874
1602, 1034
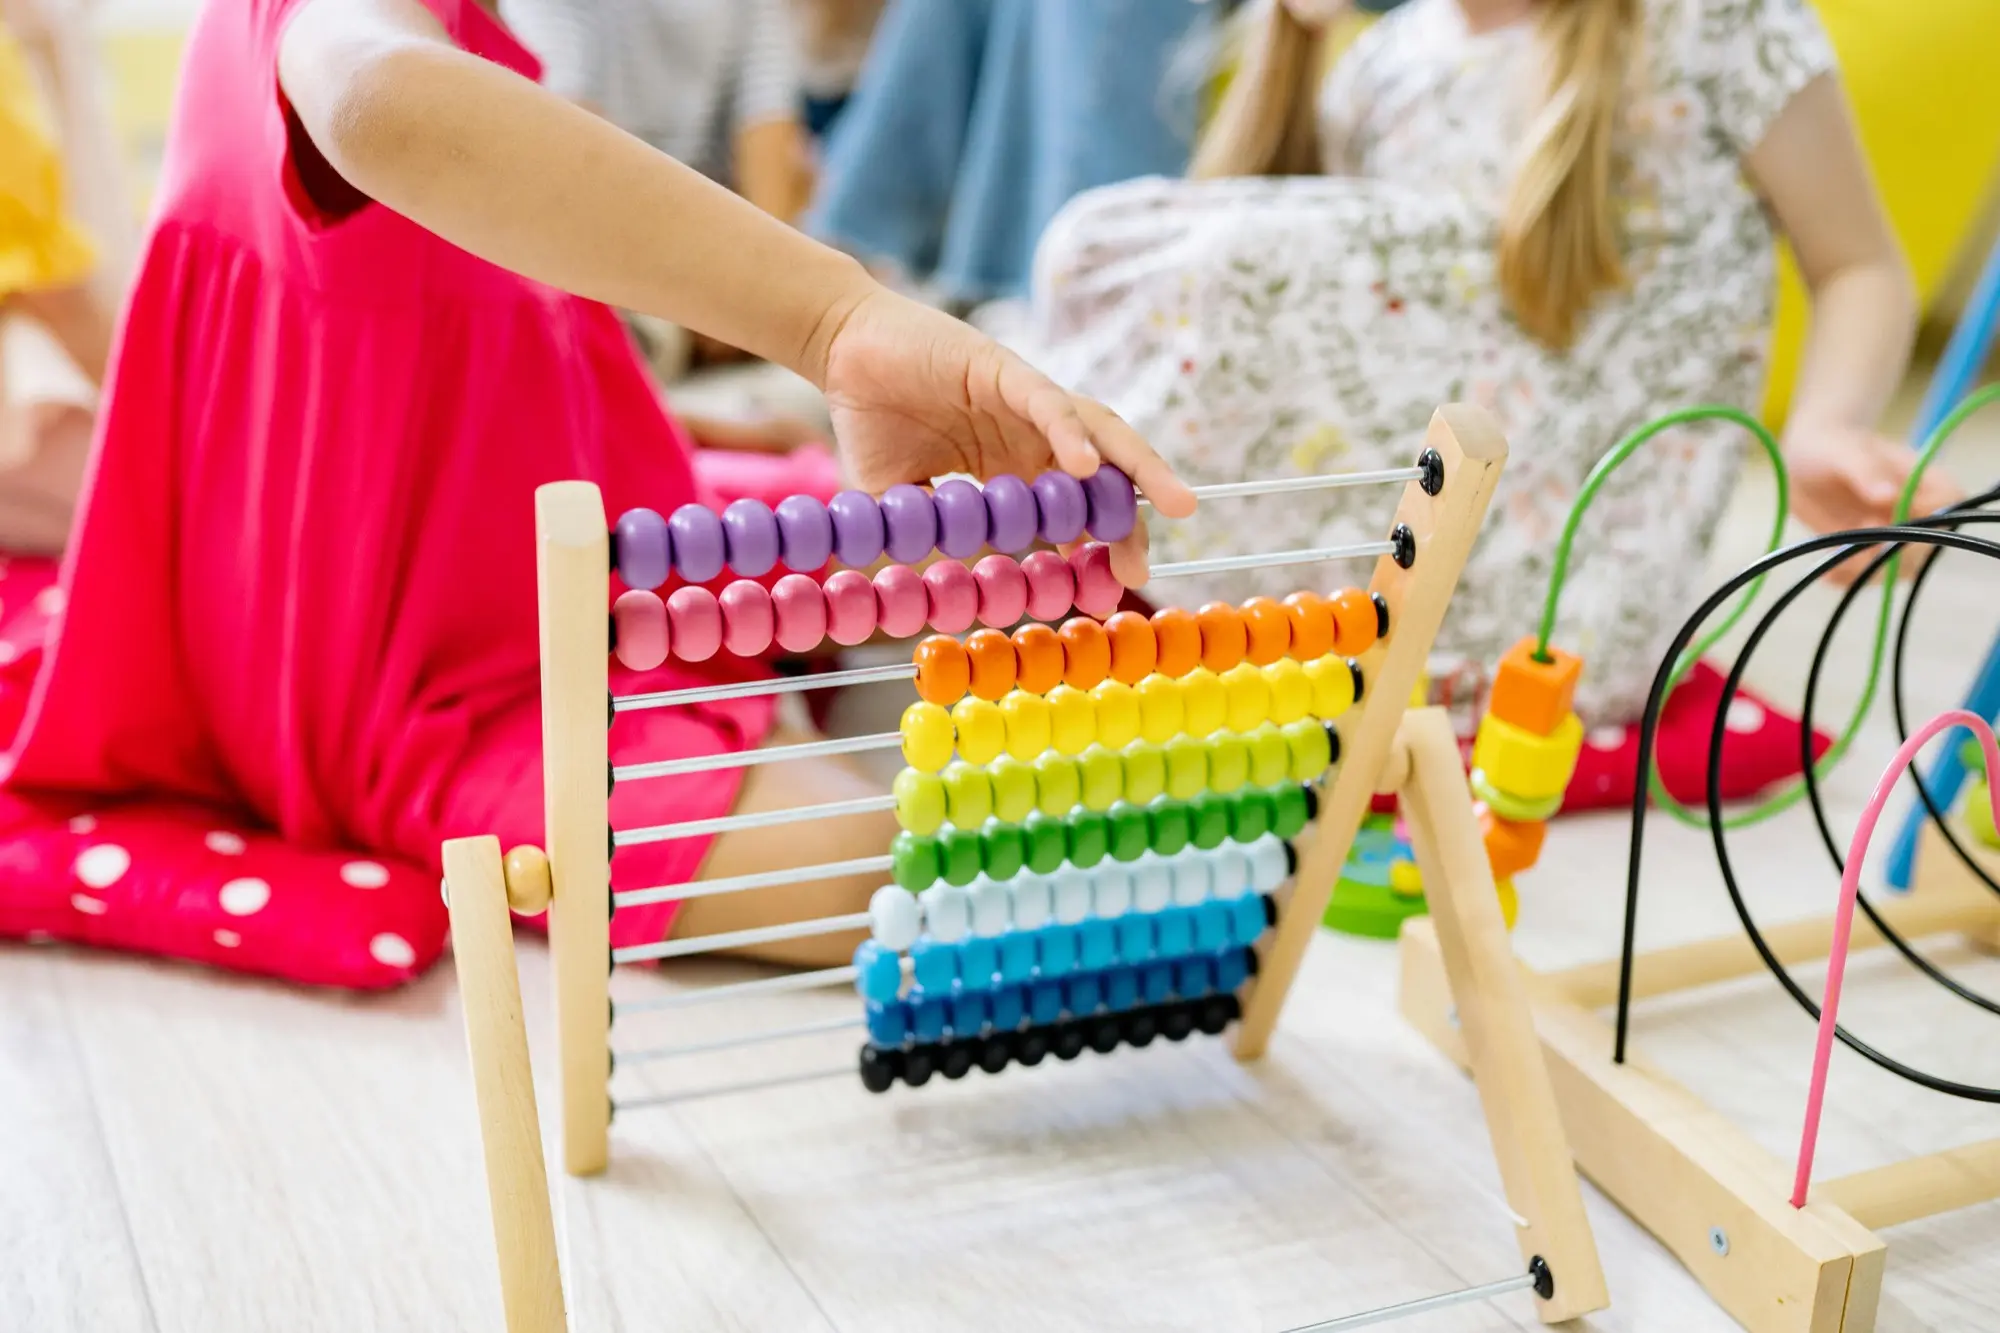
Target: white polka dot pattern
224, 843
364, 875
391, 950
102, 866
242, 897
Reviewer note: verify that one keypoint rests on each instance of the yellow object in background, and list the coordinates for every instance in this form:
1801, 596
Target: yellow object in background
40, 245
1921, 79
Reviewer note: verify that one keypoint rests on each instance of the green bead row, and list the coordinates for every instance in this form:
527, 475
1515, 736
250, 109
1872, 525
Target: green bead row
967, 795
1041, 843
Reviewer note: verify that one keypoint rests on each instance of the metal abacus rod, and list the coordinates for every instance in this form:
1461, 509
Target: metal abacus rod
738, 990
694, 828
767, 879
731, 1043
1532, 1280
737, 939
1231, 490
668, 768
843, 1070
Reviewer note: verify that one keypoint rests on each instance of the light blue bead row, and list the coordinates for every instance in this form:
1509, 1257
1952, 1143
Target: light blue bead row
962, 1012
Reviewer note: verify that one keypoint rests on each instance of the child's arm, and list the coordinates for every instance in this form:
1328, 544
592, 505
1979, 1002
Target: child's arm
1810, 168
772, 170
512, 173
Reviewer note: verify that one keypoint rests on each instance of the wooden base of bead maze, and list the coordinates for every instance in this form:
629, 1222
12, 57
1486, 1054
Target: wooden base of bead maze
1383, 747
1715, 1199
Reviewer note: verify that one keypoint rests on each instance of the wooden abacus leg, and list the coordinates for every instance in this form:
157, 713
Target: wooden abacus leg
1492, 1003
482, 939
573, 564
1442, 526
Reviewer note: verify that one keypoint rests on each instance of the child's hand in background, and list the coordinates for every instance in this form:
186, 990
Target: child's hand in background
915, 394
1848, 477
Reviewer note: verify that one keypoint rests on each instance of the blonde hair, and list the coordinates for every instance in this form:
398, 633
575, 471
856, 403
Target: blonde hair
1559, 239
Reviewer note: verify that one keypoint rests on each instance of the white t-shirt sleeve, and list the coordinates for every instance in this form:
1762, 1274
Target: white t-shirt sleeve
1752, 57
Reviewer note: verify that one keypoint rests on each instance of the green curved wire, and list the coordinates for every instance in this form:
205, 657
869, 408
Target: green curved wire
1791, 796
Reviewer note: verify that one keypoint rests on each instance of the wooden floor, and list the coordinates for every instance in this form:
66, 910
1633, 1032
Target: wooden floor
182, 1151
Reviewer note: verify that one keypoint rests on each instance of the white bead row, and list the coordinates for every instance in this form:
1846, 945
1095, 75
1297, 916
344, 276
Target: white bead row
988, 907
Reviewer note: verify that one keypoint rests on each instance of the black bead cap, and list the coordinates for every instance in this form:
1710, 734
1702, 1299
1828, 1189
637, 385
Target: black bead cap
1432, 462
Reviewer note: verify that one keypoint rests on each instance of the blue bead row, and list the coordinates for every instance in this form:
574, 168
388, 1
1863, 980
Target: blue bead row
1051, 952
960, 1011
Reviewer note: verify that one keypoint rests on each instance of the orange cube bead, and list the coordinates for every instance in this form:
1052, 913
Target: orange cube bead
943, 670
993, 663
1354, 622
1086, 652
1038, 659
1534, 696
1134, 649
1224, 636
1178, 634
1312, 625
1510, 847
1269, 631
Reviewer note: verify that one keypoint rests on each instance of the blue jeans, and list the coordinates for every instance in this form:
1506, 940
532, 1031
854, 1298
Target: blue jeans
976, 120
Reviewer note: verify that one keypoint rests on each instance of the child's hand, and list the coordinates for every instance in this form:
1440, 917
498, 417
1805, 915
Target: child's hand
915, 394
1851, 478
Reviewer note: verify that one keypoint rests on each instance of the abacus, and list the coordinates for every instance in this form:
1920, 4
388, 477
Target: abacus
1115, 830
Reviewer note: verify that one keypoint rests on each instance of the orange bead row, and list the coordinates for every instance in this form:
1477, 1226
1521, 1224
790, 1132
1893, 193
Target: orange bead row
1129, 647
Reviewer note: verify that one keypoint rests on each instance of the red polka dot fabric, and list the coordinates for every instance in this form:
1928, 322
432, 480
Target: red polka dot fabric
188, 882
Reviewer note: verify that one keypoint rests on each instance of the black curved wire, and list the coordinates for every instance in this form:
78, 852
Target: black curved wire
1967, 511
1719, 836
1919, 533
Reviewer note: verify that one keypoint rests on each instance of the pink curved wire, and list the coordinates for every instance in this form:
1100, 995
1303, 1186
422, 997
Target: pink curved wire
1843, 921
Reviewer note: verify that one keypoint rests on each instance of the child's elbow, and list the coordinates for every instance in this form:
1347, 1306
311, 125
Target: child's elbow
353, 103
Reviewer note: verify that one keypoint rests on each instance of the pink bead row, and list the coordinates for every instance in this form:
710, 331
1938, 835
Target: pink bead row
798, 613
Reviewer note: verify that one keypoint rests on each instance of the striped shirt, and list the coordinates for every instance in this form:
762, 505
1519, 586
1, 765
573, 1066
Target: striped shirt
684, 75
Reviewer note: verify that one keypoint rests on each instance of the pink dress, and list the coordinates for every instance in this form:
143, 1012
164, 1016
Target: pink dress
299, 644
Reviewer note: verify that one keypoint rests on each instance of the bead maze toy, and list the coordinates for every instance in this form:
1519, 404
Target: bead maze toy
1781, 1252
1116, 830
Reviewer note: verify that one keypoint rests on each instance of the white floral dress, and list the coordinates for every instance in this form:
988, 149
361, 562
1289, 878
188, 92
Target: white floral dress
1261, 328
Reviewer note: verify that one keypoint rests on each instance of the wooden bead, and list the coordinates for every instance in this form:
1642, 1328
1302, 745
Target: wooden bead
1058, 786
993, 663
1206, 702
639, 619
1224, 637
1249, 696
1177, 635
1510, 847
1027, 721
529, 885
1523, 765
1116, 705
1135, 652
1145, 771
1013, 787
799, 609
1270, 756
920, 801
1332, 685
1086, 652
968, 795
1311, 617
927, 737
1291, 691
1269, 630
944, 670
1162, 711
1517, 809
979, 732
1038, 658
1354, 622
1534, 696
1072, 720
1103, 778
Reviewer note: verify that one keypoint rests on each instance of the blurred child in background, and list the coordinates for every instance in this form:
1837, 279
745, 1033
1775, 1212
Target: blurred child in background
1564, 210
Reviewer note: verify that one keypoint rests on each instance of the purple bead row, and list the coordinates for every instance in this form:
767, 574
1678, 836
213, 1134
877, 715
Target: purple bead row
958, 520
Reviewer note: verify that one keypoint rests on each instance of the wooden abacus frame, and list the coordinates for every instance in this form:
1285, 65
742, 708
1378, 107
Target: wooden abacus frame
1382, 748
1719, 1202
